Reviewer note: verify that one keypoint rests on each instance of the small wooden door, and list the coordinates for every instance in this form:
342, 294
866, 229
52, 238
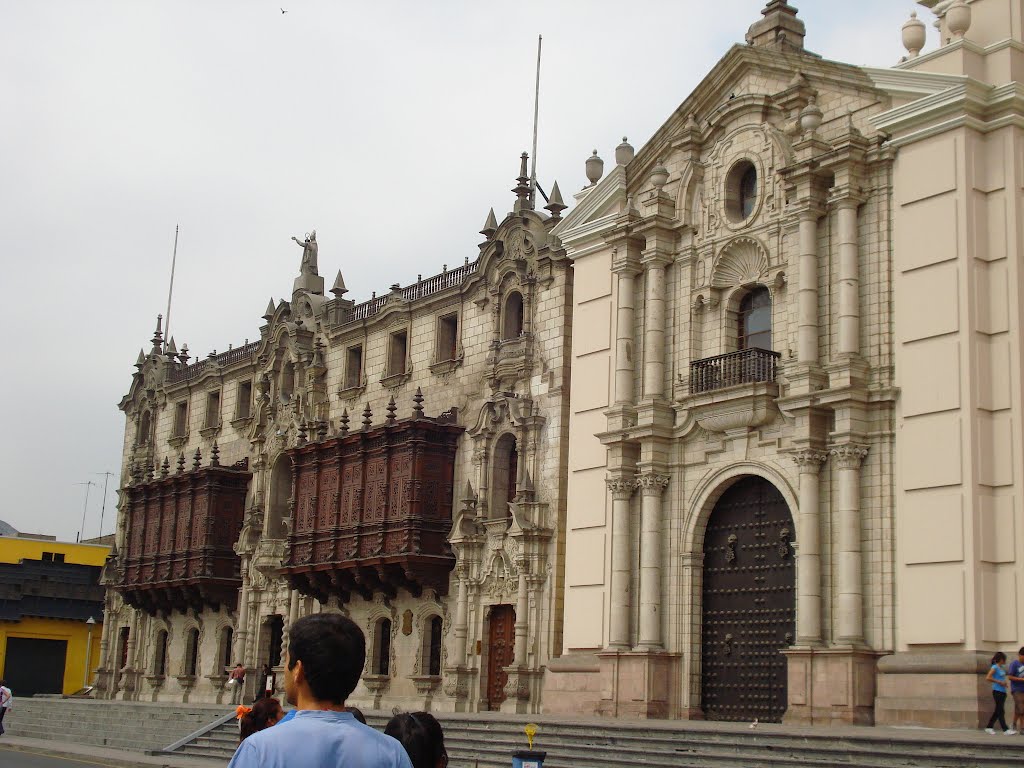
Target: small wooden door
500, 652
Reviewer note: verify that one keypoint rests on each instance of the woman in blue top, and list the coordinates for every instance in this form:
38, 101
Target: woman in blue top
997, 676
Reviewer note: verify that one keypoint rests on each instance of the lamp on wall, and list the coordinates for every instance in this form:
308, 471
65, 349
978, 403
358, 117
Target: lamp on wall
90, 622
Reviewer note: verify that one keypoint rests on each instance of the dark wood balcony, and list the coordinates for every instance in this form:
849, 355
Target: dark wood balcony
748, 366
372, 509
182, 526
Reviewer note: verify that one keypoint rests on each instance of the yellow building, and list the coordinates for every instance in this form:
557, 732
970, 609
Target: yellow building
49, 593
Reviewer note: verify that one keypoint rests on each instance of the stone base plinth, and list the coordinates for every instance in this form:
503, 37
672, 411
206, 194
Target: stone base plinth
829, 686
937, 689
639, 684
572, 685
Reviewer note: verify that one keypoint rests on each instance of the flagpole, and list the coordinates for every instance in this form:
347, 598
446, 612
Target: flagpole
170, 288
536, 110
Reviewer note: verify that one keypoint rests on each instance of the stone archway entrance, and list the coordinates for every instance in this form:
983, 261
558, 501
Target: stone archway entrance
749, 603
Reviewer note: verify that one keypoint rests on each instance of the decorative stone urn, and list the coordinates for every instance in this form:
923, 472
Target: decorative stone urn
659, 176
810, 118
914, 35
958, 19
595, 168
624, 152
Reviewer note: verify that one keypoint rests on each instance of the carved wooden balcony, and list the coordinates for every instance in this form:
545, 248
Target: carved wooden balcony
182, 526
734, 391
372, 509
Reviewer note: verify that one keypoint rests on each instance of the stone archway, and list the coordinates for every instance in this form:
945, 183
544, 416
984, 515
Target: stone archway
748, 606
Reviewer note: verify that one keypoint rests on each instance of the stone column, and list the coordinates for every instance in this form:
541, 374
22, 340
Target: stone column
808, 589
849, 278
618, 624
624, 346
849, 586
461, 617
242, 623
522, 619
651, 485
807, 292
654, 330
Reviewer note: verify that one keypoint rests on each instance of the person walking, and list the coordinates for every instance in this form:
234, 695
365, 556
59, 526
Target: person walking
997, 676
322, 666
237, 682
1015, 674
6, 702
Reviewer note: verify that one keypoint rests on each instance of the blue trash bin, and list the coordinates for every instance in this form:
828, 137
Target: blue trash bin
527, 758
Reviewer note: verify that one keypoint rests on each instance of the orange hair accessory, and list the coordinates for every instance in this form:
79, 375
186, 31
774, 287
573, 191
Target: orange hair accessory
242, 711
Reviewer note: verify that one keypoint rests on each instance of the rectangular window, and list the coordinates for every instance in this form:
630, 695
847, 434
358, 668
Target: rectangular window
47, 557
447, 337
397, 349
354, 367
243, 408
213, 409
58, 557
180, 418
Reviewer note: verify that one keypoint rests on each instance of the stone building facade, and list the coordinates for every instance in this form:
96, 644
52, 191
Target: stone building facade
737, 437
477, 356
798, 299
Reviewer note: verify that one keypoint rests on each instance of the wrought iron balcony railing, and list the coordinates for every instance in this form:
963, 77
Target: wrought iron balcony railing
748, 366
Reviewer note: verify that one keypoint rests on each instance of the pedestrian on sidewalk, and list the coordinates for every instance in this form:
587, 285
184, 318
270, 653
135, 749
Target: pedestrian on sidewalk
997, 676
6, 702
422, 737
237, 682
322, 666
1016, 676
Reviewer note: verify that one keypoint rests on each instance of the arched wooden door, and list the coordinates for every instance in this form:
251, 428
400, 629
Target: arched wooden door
749, 604
500, 652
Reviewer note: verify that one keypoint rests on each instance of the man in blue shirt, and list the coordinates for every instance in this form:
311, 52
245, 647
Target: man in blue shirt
1016, 676
324, 660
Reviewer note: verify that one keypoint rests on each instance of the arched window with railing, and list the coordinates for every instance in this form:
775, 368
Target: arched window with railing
512, 316
754, 320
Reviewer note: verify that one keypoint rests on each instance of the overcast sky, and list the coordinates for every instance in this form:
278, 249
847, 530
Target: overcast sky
389, 126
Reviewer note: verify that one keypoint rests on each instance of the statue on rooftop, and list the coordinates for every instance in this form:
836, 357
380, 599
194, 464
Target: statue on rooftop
309, 252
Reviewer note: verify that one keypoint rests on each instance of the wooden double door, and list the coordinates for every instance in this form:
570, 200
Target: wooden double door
749, 604
501, 640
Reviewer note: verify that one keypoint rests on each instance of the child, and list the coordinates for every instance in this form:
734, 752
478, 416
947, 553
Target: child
997, 676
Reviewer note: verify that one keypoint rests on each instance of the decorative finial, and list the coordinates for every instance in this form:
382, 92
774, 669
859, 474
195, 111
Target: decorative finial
157, 336
344, 421
624, 152
215, 455
181, 463
391, 408
339, 289
659, 175
165, 468
595, 168
150, 472
555, 204
321, 430
303, 432
958, 19
810, 118
522, 187
171, 350
268, 314
197, 460
417, 404
141, 360
367, 417
183, 355
914, 35
691, 122
490, 226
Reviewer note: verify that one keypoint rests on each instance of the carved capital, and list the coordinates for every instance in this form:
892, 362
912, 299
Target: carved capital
651, 483
809, 460
849, 455
621, 487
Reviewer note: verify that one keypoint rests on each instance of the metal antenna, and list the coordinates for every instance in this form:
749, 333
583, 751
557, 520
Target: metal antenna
170, 288
88, 484
536, 109
106, 479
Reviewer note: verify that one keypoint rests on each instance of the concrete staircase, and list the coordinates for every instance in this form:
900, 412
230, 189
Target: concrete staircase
487, 740
117, 724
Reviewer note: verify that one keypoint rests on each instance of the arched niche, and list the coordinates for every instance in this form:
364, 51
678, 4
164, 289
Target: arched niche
504, 472
512, 316
279, 507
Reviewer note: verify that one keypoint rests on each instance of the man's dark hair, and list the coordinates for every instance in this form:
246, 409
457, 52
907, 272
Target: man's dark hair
332, 650
422, 737
1021, 651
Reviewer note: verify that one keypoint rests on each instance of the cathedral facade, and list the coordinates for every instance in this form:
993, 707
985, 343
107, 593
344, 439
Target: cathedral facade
737, 437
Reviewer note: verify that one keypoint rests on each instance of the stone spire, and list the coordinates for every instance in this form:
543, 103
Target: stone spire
158, 337
490, 226
522, 189
339, 289
555, 204
779, 29
268, 314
